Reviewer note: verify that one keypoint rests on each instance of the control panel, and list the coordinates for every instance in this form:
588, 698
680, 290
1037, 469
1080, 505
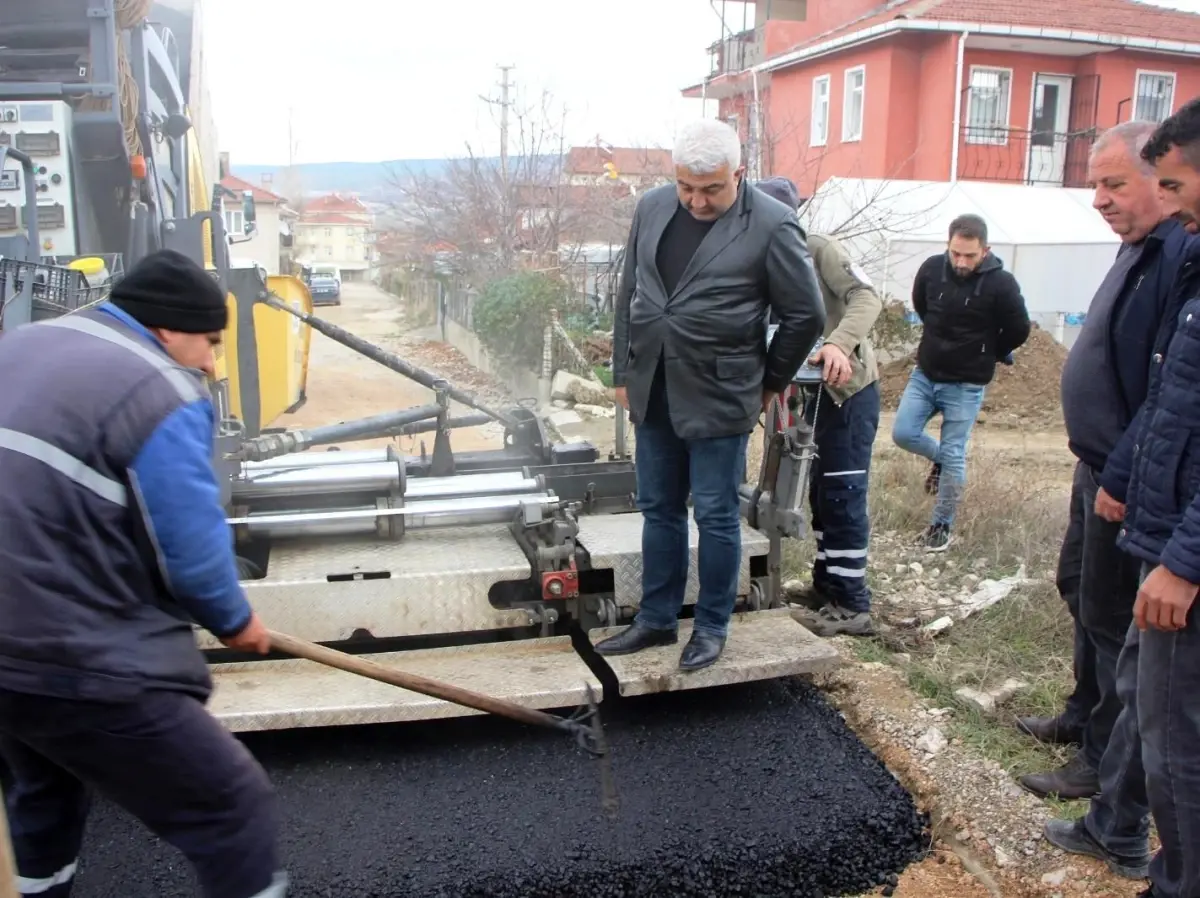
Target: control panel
809, 375
42, 130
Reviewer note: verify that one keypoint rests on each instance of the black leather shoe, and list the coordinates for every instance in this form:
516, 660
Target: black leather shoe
702, 650
1050, 730
1072, 836
1075, 779
635, 638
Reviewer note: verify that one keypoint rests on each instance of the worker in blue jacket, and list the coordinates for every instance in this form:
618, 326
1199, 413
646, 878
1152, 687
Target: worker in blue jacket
113, 542
1151, 485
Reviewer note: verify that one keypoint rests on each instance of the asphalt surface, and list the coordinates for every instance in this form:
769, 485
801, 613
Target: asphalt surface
757, 790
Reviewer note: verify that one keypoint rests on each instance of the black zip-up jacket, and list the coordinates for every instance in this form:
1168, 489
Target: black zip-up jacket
969, 323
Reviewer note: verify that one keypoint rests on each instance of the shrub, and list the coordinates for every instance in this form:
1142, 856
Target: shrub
511, 314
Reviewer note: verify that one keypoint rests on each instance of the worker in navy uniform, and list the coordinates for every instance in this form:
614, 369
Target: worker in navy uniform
846, 417
707, 259
113, 542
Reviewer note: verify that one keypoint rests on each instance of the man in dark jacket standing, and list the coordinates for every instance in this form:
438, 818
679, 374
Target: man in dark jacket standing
113, 541
706, 261
1103, 385
1152, 485
973, 315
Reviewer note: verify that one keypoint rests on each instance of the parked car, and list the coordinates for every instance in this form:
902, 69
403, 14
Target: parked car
325, 290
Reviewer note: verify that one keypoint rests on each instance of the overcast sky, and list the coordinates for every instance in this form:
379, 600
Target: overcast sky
367, 80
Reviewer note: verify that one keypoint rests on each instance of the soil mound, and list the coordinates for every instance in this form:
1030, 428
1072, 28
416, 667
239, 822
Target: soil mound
1025, 394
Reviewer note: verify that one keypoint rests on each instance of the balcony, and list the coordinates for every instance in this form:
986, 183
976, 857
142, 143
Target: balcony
1013, 156
736, 53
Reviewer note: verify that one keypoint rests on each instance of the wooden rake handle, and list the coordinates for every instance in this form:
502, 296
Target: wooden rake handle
363, 667
8, 860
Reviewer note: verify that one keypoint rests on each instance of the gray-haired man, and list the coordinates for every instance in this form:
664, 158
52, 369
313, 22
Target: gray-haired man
707, 260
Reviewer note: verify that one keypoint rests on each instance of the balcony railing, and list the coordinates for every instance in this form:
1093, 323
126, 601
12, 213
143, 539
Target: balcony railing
1012, 156
736, 53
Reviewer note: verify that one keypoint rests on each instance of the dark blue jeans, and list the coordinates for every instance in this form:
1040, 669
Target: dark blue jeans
165, 760
668, 468
837, 495
1099, 583
1152, 764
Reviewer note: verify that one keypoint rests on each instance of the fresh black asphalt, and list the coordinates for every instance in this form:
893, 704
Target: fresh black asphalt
756, 790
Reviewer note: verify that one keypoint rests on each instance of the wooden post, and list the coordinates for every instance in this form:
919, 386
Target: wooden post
8, 861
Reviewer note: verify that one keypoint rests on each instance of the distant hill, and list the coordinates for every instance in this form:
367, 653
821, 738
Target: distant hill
368, 179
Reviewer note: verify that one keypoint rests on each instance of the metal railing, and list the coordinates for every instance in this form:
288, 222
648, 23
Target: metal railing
736, 53
1014, 156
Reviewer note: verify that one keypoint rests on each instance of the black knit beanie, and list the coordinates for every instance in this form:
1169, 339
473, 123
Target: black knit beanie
166, 289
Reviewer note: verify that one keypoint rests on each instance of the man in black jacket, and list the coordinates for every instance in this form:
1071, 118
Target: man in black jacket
707, 260
1103, 385
973, 315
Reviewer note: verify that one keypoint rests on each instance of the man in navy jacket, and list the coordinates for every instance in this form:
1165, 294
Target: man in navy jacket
1151, 484
1103, 385
113, 541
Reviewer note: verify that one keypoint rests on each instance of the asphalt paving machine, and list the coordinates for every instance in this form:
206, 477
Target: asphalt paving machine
104, 133
491, 570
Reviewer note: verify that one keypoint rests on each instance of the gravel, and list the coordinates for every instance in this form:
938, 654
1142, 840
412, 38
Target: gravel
756, 790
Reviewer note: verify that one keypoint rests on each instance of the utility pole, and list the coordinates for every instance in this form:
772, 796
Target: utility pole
505, 103
506, 204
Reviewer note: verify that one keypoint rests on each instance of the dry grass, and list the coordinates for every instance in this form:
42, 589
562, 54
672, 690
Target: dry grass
1013, 514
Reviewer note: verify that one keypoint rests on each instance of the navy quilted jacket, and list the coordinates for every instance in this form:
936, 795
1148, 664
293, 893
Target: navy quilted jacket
1156, 466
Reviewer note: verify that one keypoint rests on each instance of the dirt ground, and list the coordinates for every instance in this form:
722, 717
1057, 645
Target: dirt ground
343, 385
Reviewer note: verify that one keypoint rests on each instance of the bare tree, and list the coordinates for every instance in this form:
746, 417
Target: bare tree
484, 219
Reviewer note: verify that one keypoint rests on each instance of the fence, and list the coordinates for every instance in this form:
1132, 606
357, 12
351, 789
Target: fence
451, 308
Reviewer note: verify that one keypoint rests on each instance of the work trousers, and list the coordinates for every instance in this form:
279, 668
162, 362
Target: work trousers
1099, 583
1152, 764
165, 760
668, 468
837, 495
959, 406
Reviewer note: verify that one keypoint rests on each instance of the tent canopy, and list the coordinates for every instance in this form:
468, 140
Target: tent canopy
1050, 238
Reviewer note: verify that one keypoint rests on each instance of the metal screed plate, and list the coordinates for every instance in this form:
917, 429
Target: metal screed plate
615, 541
762, 645
277, 695
437, 582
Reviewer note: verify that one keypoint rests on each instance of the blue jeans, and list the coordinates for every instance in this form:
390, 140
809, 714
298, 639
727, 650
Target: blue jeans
667, 469
1152, 764
837, 495
959, 406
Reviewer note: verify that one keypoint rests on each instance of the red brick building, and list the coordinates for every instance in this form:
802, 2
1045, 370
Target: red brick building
945, 90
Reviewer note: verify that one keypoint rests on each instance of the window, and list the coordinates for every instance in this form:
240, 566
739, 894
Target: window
853, 104
819, 125
988, 95
1153, 96
233, 222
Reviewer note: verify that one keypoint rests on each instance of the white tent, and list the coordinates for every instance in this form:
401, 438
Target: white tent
1051, 238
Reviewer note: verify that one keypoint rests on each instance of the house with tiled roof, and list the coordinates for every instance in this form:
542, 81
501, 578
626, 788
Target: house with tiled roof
638, 168
945, 90
338, 229
271, 244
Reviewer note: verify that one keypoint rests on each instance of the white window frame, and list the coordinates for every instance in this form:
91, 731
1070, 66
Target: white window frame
818, 137
232, 217
989, 135
1172, 77
849, 135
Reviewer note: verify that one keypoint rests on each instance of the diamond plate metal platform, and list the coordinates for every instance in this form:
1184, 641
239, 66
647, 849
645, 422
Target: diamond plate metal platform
615, 542
431, 582
762, 645
278, 695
